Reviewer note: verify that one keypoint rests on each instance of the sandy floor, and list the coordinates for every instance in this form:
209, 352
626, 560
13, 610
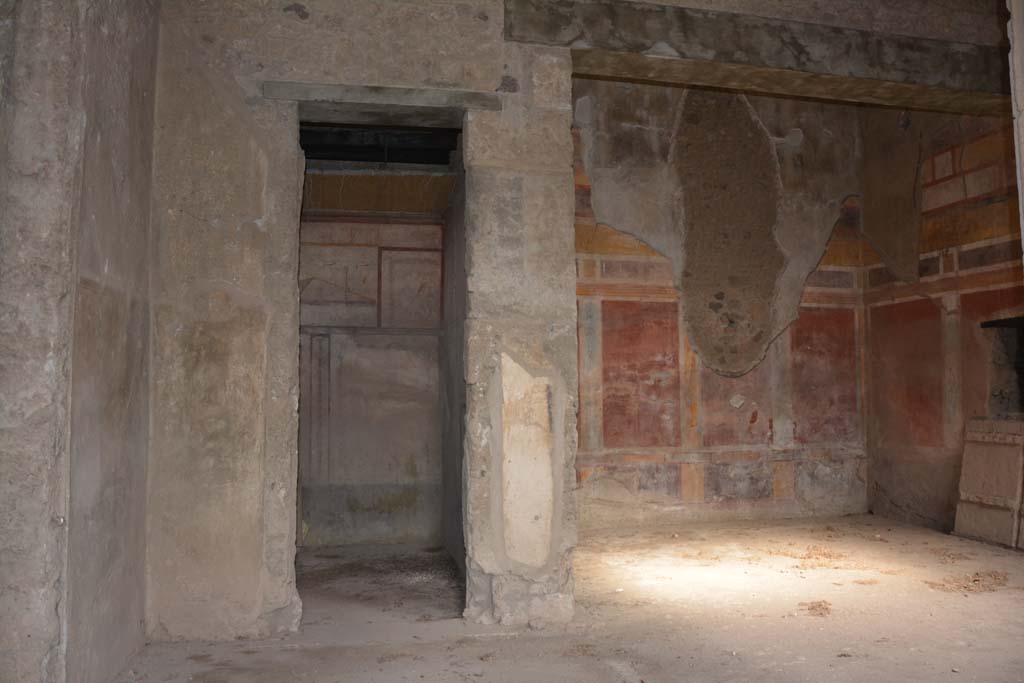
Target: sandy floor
852, 599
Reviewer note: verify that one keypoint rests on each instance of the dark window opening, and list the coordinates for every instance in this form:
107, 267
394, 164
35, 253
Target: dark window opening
1006, 371
373, 145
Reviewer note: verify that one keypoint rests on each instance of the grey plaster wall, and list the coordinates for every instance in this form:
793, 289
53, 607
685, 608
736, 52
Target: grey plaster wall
521, 347
373, 471
980, 22
41, 124
227, 183
740, 193
453, 372
76, 121
369, 396
110, 358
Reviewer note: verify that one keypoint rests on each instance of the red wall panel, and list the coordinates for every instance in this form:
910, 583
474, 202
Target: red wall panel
640, 357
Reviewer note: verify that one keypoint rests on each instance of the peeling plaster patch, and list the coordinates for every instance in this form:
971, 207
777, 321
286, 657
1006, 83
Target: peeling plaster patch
740, 193
661, 49
731, 190
508, 84
527, 449
298, 9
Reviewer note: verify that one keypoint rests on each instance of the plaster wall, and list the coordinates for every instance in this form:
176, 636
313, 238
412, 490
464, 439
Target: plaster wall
41, 121
375, 475
78, 85
369, 397
111, 344
520, 334
226, 203
453, 373
980, 22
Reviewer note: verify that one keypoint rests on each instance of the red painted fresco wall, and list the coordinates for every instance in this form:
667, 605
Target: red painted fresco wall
737, 411
906, 372
929, 360
865, 395
640, 363
661, 434
824, 353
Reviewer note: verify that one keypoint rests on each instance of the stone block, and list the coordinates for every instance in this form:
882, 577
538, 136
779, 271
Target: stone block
984, 181
992, 524
520, 255
519, 139
990, 149
739, 481
943, 194
527, 452
783, 480
552, 80
943, 165
518, 602
691, 482
992, 473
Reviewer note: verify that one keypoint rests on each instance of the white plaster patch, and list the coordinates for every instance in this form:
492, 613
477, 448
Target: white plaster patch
737, 401
527, 447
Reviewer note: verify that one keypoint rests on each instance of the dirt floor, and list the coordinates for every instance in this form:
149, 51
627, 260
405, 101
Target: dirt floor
851, 599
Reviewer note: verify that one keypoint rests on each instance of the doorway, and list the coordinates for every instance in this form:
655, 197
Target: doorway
372, 401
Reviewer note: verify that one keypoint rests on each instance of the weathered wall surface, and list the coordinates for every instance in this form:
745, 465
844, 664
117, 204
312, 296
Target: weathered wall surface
739, 193
369, 396
375, 475
972, 21
110, 358
453, 371
929, 360
41, 126
76, 120
227, 185
521, 342
227, 172
891, 202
